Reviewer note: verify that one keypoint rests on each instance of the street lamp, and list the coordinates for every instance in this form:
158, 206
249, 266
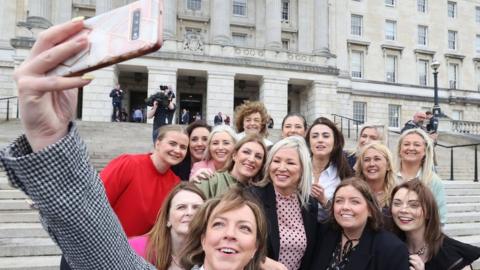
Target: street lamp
436, 108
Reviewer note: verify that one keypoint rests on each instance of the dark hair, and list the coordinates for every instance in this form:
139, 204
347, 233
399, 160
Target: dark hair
375, 220
194, 125
433, 231
337, 157
292, 114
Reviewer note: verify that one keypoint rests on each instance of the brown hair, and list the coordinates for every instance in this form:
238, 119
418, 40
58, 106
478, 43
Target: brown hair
234, 198
433, 232
337, 157
163, 130
159, 244
248, 108
375, 220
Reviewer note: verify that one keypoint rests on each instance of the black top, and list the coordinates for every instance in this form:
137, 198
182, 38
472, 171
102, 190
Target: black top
453, 255
116, 95
182, 169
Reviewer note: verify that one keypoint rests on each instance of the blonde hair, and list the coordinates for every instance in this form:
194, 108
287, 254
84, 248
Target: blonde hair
382, 136
248, 108
390, 180
215, 130
298, 143
163, 130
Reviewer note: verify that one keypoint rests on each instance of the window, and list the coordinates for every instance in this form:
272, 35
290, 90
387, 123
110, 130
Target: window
453, 75
239, 39
359, 111
452, 40
457, 115
356, 64
357, 21
390, 3
423, 72
422, 6
285, 10
391, 67
192, 31
452, 9
422, 35
240, 7
194, 4
394, 115
477, 14
285, 44
390, 30
477, 44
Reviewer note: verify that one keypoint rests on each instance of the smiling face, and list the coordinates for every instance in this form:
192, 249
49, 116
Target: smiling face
183, 207
368, 135
248, 161
407, 211
172, 148
198, 143
374, 165
350, 210
252, 123
221, 148
412, 148
285, 171
321, 141
230, 240
293, 125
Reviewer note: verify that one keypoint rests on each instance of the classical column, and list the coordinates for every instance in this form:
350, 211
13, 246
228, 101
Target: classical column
321, 100
97, 104
103, 6
273, 23
220, 21
274, 94
321, 26
40, 8
162, 76
305, 26
63, 11
220, 87
7, 24
170, 19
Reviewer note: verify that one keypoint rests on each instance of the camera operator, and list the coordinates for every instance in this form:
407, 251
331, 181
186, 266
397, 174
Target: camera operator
117, 95
163, 108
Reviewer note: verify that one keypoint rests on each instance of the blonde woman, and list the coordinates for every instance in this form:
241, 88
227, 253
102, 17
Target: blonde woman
369, 133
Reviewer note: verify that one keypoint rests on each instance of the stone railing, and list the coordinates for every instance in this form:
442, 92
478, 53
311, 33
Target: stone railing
466, 127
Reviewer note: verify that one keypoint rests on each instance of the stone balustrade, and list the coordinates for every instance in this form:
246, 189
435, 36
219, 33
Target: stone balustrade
466, 127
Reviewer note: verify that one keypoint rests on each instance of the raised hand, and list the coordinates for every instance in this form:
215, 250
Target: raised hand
48, 103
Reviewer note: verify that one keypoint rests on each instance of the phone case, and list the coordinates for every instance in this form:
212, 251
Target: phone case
121, 34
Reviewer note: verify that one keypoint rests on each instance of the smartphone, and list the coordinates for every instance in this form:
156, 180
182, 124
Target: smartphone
115, 36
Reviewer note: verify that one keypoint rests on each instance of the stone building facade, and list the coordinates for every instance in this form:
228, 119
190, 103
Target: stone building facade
364, 59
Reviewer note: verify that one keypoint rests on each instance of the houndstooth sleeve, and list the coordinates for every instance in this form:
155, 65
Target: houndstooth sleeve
72, 202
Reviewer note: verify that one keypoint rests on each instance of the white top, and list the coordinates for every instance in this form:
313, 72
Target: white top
329, 180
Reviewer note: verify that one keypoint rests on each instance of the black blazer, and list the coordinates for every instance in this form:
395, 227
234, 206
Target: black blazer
266, 196
380, 250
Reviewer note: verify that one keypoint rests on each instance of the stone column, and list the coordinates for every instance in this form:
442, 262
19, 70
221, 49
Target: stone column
63, 11
274, 94
220, 91
7, 24
321, 100
103, 6
170, 19
162, 76
305, 26
40, 8
97, 104
321, 26
273, 23
220, 21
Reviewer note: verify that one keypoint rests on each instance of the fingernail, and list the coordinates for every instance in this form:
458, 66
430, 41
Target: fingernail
79, 18
88, 76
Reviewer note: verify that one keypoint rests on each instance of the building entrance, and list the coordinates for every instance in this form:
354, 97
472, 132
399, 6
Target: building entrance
193, 104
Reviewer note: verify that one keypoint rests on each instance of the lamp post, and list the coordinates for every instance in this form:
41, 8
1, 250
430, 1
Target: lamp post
436, 108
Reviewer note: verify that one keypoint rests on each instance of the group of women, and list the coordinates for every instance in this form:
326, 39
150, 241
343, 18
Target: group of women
295, 206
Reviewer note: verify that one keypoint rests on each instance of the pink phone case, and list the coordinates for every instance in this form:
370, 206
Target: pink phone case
121, 34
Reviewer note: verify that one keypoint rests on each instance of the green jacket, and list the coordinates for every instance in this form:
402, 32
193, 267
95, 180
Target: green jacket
218, 184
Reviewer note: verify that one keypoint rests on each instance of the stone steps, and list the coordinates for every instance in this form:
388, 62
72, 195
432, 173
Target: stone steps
19, 247
31, 262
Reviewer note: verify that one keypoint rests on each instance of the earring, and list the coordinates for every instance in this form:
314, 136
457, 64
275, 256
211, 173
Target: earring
169, 225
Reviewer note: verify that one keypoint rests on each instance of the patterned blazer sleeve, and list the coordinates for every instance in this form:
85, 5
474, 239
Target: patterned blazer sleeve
72, 202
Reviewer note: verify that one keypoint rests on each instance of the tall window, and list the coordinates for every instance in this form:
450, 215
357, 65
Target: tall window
390, 3
239, 39
452, 40
240, 7
356, 25
285, 10
453, 75
356, 64
194, 4
394, 115
390, 30
477, 14
477, 44
422, 72
285, 44
422, 35
391, 68
422, 6
359, 111
452, 9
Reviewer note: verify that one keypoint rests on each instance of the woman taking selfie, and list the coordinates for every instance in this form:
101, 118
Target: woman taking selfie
291, 213
244, 167
353, 238
415, 156
220, 145
417, 221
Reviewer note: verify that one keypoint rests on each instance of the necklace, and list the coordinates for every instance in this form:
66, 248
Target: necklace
419, 252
